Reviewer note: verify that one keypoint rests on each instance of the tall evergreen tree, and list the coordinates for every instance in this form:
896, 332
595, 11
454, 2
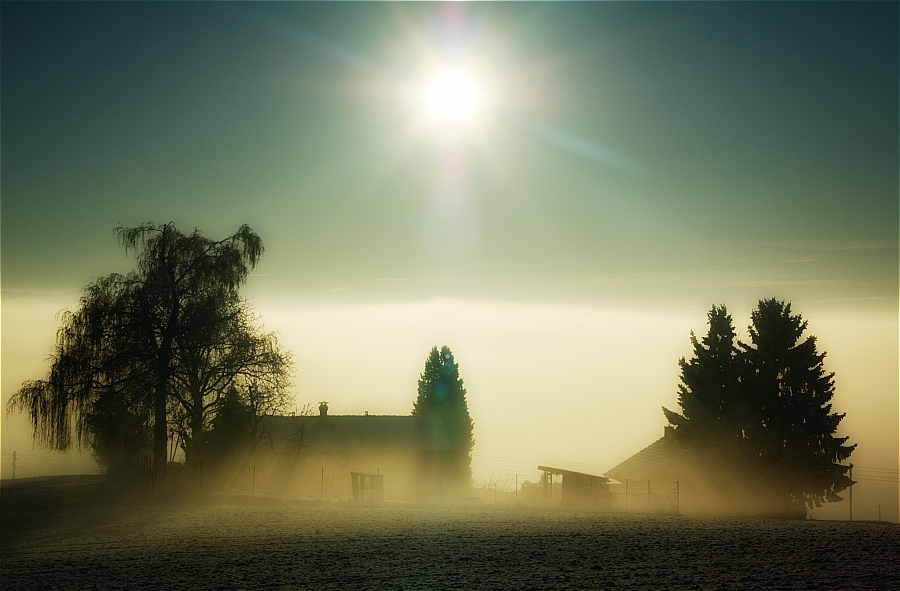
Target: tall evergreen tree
793, 432
230, 426
441, 393
710, 394
762, 411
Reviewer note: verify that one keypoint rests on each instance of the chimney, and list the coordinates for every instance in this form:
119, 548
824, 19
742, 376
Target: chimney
323, 409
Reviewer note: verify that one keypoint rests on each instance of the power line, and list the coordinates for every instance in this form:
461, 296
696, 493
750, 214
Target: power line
877, 468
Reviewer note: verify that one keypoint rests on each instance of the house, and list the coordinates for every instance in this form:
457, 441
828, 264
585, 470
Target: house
664, 478
344, 456
648, 481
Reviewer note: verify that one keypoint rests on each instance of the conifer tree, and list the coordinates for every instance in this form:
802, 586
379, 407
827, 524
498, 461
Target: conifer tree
710, 395
793, 432
762, 411
709, 381
441, 392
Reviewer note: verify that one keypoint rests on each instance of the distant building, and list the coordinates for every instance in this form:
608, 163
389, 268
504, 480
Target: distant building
654, 462
314, 456
664, 478
651, 480
576, 490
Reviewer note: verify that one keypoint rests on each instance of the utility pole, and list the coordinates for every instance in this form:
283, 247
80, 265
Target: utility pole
14, 465
626, 494
677, 499
517, 488
322, 486
851, 492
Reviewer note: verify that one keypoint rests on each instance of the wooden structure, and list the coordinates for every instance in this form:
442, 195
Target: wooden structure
578, 490
367, 487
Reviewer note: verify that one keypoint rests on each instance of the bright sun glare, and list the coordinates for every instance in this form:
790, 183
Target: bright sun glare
451, 95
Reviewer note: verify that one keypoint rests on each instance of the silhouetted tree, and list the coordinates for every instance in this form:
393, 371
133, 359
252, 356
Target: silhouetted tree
761, 412
710, 394
97, 373
793, 431
229, 354
234, 432
441, 393
230, 425
120, 434
131, 335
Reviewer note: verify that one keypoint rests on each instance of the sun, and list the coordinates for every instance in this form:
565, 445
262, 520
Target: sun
451, 95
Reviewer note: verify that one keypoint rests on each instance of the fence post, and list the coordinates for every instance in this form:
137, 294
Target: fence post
851, 492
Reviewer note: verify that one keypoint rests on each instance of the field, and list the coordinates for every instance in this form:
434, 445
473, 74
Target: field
84, 533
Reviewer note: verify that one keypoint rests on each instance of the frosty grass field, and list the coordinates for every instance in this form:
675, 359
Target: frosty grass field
78, 533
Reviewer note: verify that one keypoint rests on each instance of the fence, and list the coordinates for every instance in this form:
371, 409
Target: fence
841, 512
646, 497
875, 489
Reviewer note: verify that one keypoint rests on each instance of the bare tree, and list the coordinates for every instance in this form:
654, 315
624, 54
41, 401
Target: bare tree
233, 354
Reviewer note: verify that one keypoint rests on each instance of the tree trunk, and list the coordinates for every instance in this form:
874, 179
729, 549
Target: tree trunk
160, 431
160, 417
194, 437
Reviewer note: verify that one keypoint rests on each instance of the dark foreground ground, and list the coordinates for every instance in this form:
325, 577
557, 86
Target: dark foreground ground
84, 533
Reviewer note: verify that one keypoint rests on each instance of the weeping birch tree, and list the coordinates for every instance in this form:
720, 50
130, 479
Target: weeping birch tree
127, 351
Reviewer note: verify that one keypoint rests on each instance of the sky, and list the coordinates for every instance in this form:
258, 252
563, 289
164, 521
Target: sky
626, 166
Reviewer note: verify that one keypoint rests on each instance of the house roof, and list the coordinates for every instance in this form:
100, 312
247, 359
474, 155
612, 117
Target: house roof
359, 432
645, 464
571, 473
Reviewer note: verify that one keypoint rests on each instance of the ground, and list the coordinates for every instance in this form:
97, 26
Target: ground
86, 533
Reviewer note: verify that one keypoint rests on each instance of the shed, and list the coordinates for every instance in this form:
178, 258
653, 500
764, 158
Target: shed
578, 490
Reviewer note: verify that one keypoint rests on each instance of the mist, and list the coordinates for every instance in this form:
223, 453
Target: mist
569, 386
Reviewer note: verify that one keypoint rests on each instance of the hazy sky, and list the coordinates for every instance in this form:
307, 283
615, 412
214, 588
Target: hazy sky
630, 165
